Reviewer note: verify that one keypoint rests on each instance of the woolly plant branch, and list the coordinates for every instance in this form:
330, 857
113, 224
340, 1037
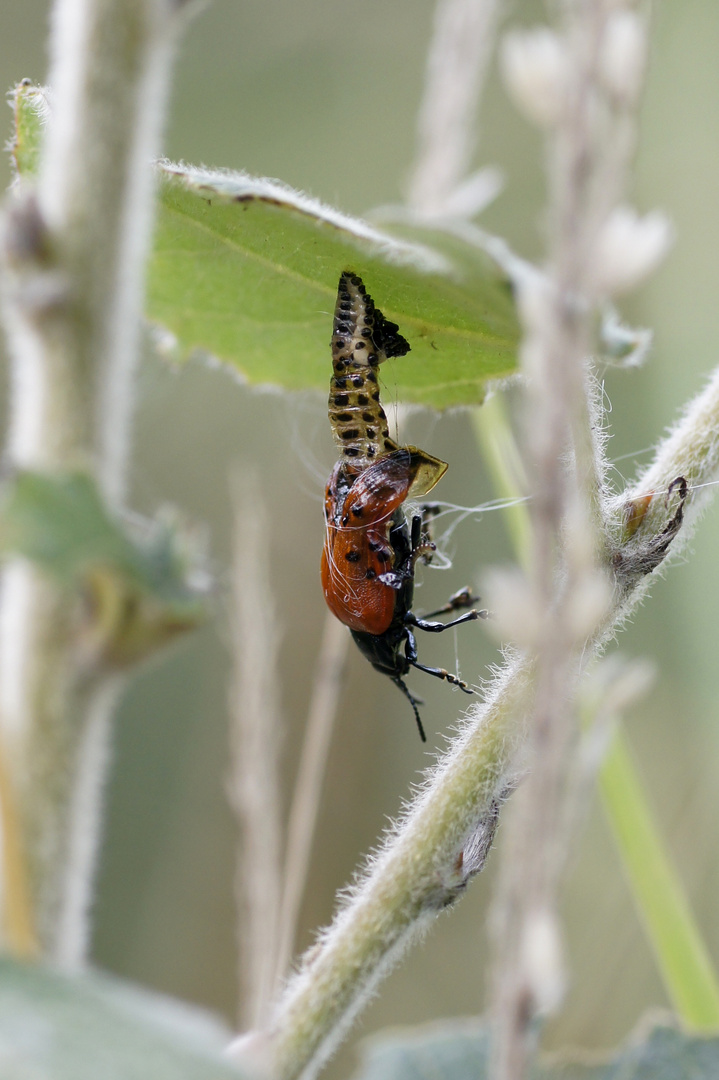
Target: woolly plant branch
457, 61
681, 955
302, 819
561, 598
425, 862
255, 734
73, 252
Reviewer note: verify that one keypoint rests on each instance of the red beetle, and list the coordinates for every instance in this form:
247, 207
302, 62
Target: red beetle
370, 552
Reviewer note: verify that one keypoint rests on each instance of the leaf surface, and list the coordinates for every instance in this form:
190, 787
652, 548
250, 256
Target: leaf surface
460, 1050
89, 1026
247, 270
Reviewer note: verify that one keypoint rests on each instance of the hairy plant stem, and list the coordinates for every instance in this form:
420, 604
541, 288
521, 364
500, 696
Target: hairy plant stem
74, 253
588, 142
255, 734
419, 871
305, 804
446, 126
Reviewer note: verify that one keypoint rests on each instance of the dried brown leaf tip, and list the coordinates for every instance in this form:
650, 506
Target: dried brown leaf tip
644, 556
635, 511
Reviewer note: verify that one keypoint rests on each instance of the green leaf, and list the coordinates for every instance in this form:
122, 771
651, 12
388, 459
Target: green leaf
90, 1026
460, 1050
30, 109
137, 589
247, 270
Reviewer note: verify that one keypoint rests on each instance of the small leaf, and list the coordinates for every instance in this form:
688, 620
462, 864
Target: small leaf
460, 1050
30, 107
247, 270
136, 591
90, 1026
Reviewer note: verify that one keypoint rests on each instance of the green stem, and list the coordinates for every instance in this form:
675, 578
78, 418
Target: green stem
504, 464
663, 907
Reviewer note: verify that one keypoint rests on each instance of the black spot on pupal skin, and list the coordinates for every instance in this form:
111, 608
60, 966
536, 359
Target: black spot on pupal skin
341, 399
371, 433
350, 433
368, 417
371, 377
360, 345
353, 556
358, 380
362, 399
370, 451
351, 451
341, 382
358, 511
343, 417
366, 332
371, 574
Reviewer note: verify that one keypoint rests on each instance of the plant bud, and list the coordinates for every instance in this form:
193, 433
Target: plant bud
629, 248
534, 65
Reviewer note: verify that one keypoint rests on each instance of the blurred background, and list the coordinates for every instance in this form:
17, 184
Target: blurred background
290, 89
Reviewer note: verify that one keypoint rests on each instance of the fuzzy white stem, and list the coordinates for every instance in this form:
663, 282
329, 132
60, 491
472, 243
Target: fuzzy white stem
308, 784
255, 734
456, 63
73, 291
84, 826
568, 541
418, 872
109, 75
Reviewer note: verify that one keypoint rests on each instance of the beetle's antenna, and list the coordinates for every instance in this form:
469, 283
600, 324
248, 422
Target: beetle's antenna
414, 702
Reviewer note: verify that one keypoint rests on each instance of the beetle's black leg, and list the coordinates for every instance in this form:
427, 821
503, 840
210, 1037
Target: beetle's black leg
437, 627
440, 673
410, 647
414, 702
461, 599
421, 547
416, 533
